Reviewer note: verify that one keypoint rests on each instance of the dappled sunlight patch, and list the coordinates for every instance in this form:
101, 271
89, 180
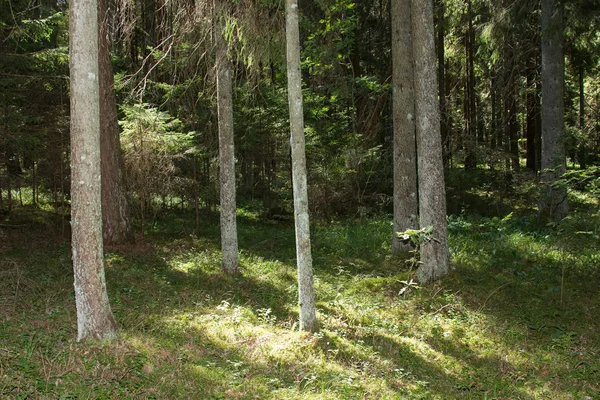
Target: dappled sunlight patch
493, 328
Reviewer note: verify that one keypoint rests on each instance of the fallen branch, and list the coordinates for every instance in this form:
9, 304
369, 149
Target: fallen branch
491, 294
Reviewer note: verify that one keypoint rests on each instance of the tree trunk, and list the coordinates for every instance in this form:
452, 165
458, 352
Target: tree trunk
533, 110
116, 222
441, 63
94, 316
432, 193
582, 148
553, 201
406, 206
513, 124
306, 292
195, 188
229, 241
470, 112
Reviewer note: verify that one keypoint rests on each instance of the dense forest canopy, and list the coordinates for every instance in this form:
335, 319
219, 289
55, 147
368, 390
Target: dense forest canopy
489, 68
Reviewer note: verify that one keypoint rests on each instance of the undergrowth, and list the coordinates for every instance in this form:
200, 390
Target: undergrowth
515, 319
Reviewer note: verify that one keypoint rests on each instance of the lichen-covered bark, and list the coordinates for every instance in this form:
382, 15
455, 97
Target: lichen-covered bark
117, 227
94, 316
553, 201
405, 163
306, 292
432, 193
229, 242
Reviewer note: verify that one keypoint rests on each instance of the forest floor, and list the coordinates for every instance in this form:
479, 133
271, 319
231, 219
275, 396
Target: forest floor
517, 318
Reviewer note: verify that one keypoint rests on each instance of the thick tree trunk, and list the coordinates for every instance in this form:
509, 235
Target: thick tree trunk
441, 63
406, 205
306, 291
432, 193
116, 222
553, 201
229, 241
94, 316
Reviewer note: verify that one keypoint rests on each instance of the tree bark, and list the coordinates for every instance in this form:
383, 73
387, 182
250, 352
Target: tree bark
582, 147
470, 111
116, 221
406, 206
94, 316
432, 193
553, 202
306, 292
229, 241
533, 110
441, 63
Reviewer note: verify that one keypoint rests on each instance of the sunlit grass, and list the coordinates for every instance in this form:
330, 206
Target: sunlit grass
516, 318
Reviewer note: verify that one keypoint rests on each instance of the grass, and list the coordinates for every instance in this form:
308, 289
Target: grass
515, 319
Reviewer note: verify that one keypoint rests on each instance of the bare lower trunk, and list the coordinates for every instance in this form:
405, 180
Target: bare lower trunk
405, 163
94, 316
229, 242
553, 201
432, 196
117, 227
306, 293
196, 206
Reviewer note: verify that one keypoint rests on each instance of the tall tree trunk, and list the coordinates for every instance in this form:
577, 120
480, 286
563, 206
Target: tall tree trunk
533, 110
406, 205
229, 241
306, 291
470, 111
9, 193
582, 148
441, 63
94, 316
553, 201
34, 184
513, 124
116, 222
195, 188
432, 194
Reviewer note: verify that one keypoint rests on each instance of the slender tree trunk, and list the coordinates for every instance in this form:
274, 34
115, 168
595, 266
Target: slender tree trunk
94, 316
196, 205
470, 111
553, 201
532, 111
116, 222
406, 206
582, 146
493, 111
513, 124
9, 198
432, 194
33, 184
229, 241
306, 292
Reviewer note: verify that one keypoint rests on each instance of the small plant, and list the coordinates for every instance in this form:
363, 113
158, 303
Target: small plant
416, 237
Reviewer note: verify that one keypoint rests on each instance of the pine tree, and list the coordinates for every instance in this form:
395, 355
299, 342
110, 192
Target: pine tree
405, 164
306, 292
229, 242
432, 195
94, 316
